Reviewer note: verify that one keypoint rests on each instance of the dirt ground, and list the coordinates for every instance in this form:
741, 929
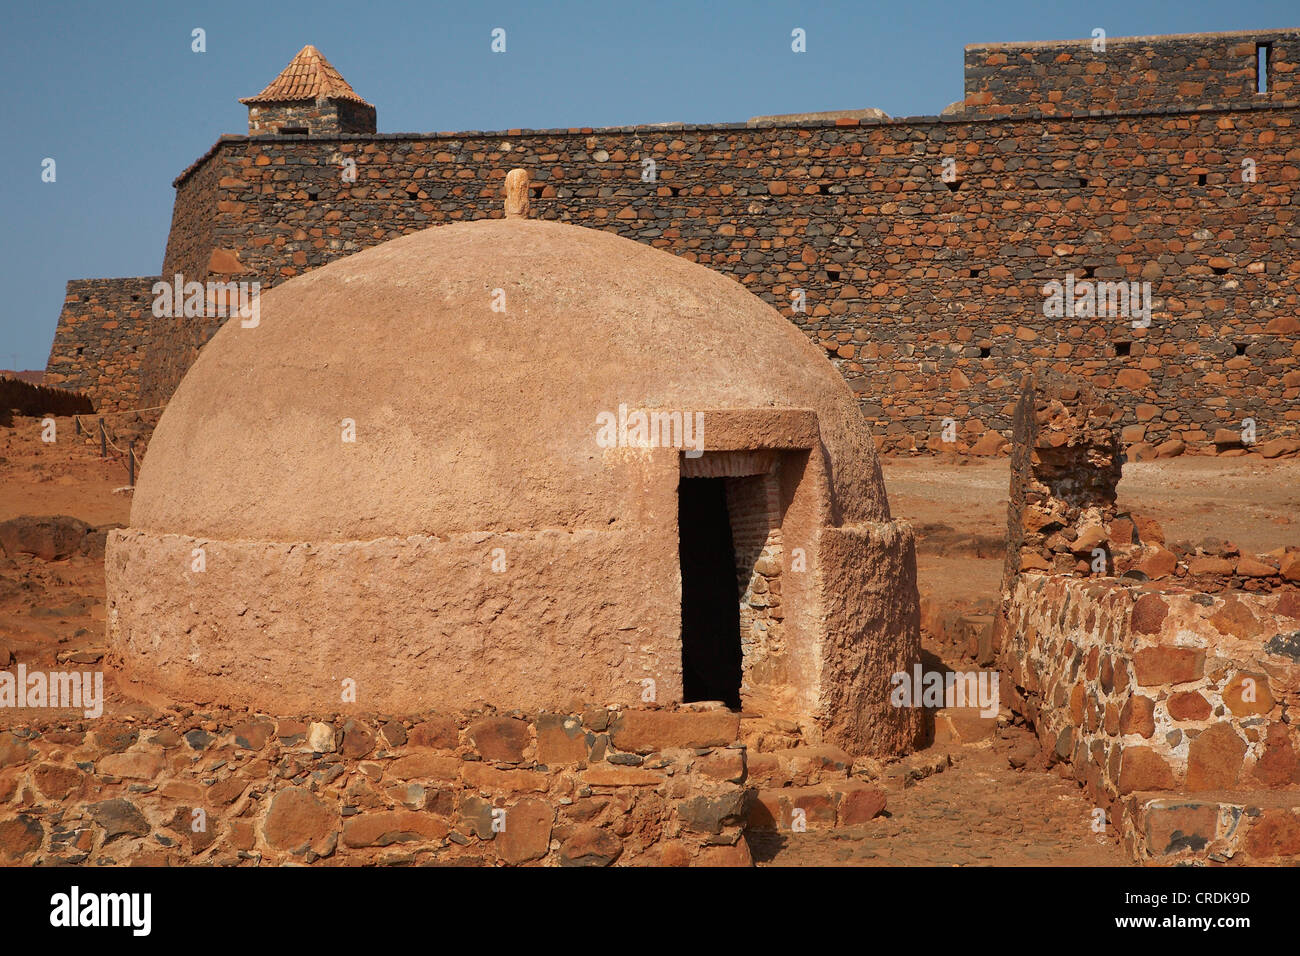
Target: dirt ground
951, 804
1251, 502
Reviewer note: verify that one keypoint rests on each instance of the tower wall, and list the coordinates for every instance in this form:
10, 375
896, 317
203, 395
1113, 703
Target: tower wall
100, 341
1128, 73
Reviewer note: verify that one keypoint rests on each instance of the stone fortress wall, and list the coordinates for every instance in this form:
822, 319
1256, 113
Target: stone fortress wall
1152, 162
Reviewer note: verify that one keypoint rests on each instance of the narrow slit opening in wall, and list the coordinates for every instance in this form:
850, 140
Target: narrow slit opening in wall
1200, 179
1089, 271
1219, 270
985, 352
824, 189
676, 190
1083, 182
312, 194
293, 131
1240, 347
832, 274
973, 273
711, 649
1263, 53
1123, 349
412, 191
954, 185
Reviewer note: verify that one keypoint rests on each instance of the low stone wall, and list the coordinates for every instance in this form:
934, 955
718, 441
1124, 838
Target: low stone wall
1167, 691
587, 787
1166, 702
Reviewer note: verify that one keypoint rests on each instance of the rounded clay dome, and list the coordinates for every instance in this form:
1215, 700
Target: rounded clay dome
466, 418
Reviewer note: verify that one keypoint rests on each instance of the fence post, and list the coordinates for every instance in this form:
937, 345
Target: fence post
131, 466
103, 440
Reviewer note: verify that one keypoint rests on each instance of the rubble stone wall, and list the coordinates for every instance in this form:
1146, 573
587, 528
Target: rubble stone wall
1161, 699
1166, 681
583, 787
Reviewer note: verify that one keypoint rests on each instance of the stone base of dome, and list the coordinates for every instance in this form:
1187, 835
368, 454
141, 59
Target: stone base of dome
403, 624
533, 621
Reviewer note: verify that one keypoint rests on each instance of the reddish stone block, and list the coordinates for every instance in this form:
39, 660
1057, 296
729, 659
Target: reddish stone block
724, 765
1164, 664
645, 731
1141, 768
439, 733
726, 856
133, 765
1278, 765
20, 836
1172, 826
491, 780
560, 740
858, 803
590, 846
1235, 618
1275, 834
358, 739
1188, 705
57, 782
527, 833
1247, 694
392, 826
1138, 716
1148, 614
500, 738
608, 775
1156, 562
1214, 758
253, 734
297, 819
425, 765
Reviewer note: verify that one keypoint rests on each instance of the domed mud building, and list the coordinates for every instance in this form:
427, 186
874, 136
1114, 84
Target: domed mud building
519, 463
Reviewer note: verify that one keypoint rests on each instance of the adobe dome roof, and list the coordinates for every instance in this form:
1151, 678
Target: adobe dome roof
469, 419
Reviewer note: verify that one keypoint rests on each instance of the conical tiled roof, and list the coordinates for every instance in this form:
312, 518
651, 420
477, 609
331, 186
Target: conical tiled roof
308, 76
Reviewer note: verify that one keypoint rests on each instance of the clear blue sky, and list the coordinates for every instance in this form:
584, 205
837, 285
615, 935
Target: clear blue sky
114, 94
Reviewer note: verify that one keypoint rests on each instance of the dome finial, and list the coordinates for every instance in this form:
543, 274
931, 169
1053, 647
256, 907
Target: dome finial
517, 194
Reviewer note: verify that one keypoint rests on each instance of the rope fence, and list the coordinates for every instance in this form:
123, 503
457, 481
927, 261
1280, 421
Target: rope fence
105, 443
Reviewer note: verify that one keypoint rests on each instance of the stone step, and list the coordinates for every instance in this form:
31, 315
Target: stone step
846, 803
963, 725
798, 766
1224, 826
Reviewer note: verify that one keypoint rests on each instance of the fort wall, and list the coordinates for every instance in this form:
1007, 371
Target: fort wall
919, 248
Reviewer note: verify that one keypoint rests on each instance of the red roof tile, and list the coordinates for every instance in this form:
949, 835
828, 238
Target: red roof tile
307, 77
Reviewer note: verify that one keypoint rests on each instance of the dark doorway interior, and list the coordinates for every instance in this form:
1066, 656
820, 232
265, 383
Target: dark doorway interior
711, 653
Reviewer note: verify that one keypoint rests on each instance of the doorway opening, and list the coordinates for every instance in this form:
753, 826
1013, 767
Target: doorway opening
711, 652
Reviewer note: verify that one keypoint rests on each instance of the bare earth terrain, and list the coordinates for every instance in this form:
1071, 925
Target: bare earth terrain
954, 803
